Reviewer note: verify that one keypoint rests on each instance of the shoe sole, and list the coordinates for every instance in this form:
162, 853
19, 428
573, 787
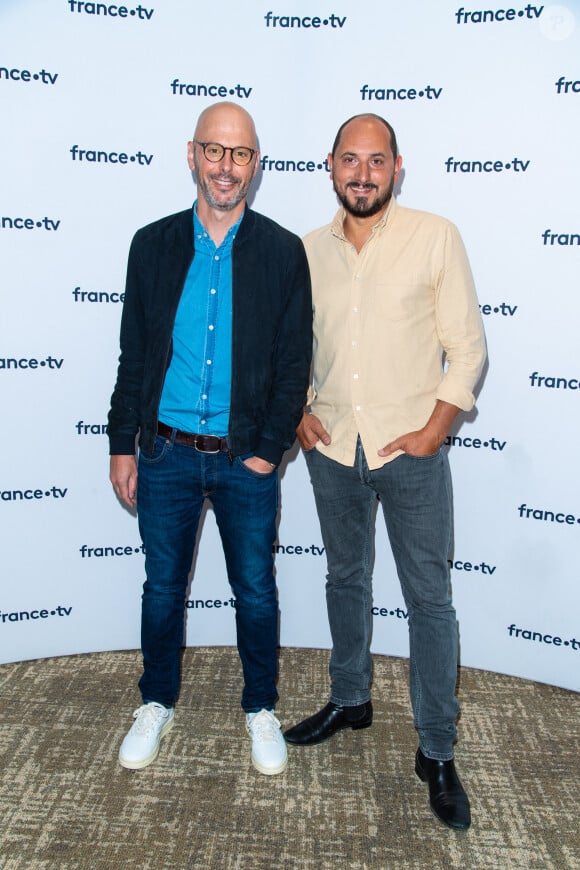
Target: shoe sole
139, 765
269, 771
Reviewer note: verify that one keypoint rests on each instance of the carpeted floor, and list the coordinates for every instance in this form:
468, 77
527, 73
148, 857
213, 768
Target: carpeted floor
353, 802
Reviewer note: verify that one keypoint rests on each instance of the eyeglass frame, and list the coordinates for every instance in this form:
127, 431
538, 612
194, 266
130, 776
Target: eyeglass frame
203, 146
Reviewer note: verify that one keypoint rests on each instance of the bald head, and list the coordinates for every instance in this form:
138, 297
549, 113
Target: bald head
368, 120
225, 122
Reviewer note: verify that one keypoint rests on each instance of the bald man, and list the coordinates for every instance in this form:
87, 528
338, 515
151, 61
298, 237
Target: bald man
216, 339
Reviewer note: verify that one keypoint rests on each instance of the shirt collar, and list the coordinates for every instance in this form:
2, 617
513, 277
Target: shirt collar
200, 230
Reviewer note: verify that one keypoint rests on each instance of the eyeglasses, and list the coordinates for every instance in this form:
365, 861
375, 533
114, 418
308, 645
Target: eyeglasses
214, 152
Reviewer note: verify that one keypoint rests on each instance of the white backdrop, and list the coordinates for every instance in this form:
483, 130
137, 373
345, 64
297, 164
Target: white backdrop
97, 103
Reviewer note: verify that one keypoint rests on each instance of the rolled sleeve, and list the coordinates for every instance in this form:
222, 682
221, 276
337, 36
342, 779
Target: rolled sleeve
459, 325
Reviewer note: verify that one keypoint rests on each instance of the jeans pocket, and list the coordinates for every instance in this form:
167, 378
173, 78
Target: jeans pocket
161, 448
429, 456
250, 471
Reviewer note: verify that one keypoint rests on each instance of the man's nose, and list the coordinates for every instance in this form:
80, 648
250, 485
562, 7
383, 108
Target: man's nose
363, 171
226, 162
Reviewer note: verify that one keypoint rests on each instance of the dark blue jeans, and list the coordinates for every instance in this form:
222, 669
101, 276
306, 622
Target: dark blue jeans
172, 486
415, 494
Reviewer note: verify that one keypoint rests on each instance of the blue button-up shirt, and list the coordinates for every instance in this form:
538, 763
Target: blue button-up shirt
196, 392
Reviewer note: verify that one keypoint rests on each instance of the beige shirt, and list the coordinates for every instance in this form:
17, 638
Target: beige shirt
396, 327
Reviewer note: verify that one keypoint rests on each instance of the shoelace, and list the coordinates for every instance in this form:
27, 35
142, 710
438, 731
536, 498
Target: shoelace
147, 718
265, 726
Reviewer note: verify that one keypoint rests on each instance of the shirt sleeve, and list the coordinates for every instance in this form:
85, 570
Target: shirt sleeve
459, 324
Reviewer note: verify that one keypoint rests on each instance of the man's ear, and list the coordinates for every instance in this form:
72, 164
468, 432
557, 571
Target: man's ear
190, 156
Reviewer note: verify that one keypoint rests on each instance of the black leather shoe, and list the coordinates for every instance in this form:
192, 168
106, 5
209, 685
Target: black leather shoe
328, 721
446, 794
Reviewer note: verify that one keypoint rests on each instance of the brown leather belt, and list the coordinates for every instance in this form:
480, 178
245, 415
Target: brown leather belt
203, 443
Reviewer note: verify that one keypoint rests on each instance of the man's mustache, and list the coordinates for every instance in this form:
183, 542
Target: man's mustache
223, 177
365, 185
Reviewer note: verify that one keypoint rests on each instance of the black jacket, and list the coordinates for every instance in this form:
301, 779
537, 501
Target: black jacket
271, 334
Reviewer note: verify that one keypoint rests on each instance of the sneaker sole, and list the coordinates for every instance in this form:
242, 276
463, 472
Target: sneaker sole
144, 762
269, 771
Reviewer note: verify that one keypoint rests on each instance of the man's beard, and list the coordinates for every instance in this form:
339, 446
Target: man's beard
361, 207
237, 195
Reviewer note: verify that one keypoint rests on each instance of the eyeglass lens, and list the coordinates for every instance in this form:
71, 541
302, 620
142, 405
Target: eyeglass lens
214, 152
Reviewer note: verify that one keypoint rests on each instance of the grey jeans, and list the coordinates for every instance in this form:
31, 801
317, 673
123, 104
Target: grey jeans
415, 495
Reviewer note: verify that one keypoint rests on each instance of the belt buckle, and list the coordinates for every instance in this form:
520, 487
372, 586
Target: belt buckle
199, 450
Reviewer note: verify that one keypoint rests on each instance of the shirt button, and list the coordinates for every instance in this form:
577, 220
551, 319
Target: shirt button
203, 422
212, 291
354, 343
357, 408
355, 376
208, 361
355, 309
204, 396
216, 257
210, 327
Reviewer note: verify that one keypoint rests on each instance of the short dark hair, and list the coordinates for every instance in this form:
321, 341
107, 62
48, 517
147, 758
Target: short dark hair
394, 146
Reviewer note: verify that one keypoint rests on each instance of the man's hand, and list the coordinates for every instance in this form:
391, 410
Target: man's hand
420, 443
428, 440
310, 430
259, 465
123, 476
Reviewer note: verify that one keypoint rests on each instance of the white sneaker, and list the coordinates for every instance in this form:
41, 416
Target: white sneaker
269, 753
141, 744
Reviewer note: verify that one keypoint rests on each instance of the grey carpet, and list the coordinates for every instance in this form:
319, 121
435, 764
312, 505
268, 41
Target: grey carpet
353, 802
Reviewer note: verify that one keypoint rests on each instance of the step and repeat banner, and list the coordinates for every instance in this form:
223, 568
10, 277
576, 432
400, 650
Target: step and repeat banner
97, 103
